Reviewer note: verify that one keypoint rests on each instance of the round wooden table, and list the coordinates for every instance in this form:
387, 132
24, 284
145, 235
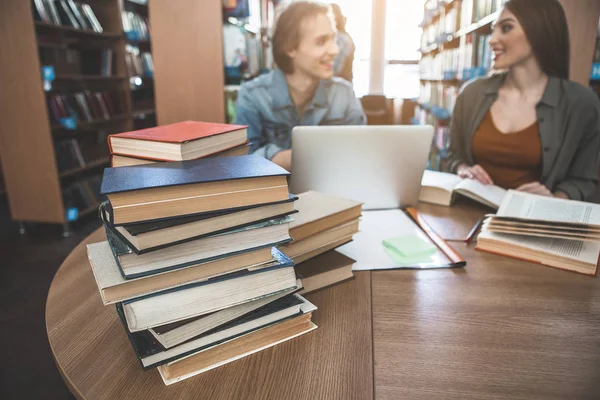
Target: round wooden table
498, 328
96, 360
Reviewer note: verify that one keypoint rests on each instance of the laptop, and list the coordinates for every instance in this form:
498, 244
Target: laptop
381, 166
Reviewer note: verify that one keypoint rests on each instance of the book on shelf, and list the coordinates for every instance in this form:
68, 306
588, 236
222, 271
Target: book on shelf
324, 270
254, 237
77, 154
441, 188
177, 142
138, 63
551, 231
484, 52
83, 194
97, 62
135, 26
82, 106
68, 155
466, 13
148, 64
113, 287
207, 296
165, 190
64, 59
91, 16
123, 161
41, 12
144, 237
151, 353
67, 13
79, 15
235, 349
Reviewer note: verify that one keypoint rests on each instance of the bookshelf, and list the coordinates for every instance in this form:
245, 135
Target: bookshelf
455, 49
53, 127
140, 63
247, 29
187, 49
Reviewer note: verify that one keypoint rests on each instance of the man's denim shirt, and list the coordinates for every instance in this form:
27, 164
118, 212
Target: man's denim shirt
265, 105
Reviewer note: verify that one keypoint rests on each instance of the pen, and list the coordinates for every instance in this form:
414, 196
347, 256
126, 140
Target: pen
474, 230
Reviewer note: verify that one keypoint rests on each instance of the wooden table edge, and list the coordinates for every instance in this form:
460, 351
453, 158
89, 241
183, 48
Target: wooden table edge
60, 368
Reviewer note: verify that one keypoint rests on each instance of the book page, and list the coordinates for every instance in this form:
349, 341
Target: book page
441, 180
492, 193
375, 227
577, 250
541, 208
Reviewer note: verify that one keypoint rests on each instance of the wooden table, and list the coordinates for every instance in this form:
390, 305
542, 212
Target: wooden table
498, 329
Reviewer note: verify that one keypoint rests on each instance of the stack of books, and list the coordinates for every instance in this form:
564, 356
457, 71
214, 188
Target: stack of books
323, 223
192, 264
188, 140
555, 232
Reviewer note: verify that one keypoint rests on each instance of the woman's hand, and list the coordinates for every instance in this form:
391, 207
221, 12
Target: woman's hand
474, 172
535, 188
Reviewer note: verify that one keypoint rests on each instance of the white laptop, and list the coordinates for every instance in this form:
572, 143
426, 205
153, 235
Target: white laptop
381, 166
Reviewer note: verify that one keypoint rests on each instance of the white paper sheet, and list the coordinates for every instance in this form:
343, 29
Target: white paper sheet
375, 226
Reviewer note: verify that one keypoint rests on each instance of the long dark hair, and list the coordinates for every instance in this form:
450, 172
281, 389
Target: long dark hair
545, 26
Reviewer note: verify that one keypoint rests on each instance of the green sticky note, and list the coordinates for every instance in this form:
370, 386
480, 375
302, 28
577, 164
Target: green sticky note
398, 259
410, 246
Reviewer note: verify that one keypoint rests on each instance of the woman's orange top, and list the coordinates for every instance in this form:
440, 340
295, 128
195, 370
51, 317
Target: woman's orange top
511, 159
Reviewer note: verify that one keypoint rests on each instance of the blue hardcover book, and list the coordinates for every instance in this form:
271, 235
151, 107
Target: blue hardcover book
155, 235
164, 190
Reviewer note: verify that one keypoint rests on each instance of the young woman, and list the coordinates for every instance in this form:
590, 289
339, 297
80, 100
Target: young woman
302, 90
529, 128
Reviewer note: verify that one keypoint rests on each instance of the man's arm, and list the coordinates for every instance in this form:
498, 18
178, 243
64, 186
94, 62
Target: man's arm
354, 113
248, 114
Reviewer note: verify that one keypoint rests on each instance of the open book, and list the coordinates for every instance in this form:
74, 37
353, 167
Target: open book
527, 207
571, 255
556, 232
532, 215
440, 188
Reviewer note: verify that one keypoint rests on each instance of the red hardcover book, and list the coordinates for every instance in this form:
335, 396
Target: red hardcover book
181, 141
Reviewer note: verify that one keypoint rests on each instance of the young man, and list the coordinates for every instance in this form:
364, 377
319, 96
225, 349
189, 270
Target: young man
302, 90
